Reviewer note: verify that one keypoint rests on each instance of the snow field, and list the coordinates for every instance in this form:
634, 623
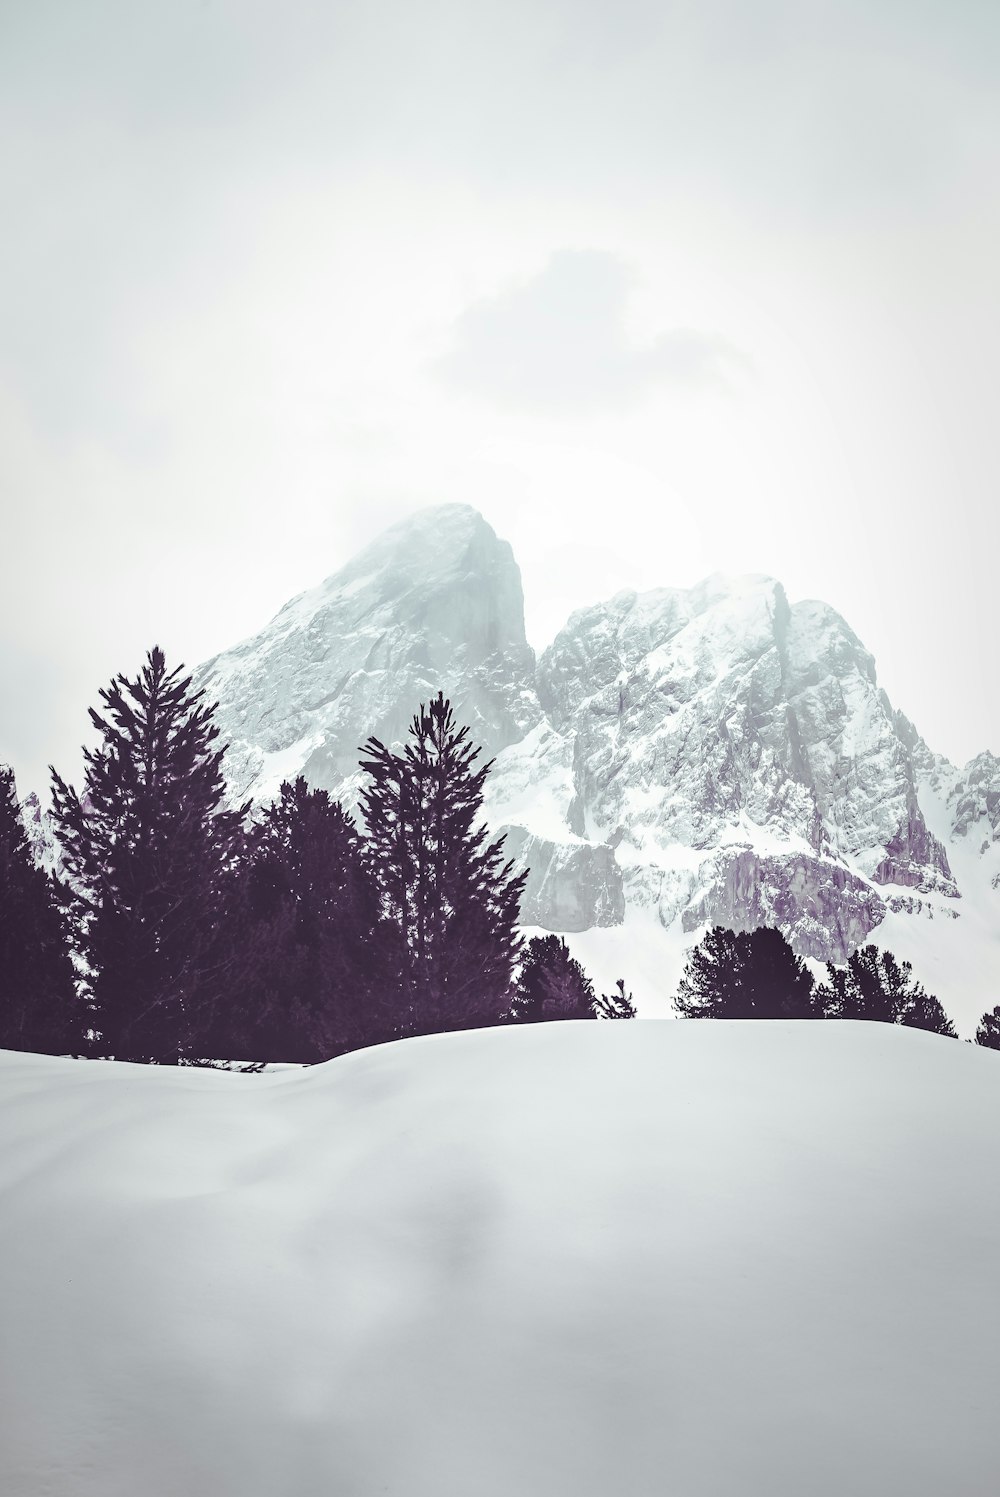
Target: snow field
702, 1258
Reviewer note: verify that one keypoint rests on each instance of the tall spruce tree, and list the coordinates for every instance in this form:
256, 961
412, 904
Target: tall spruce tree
875, 986
551, 985
746, 975
443, 885
38, 1003
314, 984
149, 853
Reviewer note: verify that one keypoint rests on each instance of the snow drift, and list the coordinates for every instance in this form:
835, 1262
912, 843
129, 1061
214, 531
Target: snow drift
710, 1259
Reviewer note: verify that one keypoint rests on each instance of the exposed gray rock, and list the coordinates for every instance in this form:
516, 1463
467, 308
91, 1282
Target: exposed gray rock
916, 859
676, 704
853, 758
975, 799
664, 892
694, 710
826, 911
434, 604
929, 767
571, 886
908, 904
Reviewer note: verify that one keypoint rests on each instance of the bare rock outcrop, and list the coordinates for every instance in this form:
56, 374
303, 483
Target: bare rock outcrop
826, 911
571, 886
975, 800
694, 712
434, 604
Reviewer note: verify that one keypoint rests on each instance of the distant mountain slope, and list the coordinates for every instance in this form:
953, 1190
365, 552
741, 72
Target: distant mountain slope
676, 758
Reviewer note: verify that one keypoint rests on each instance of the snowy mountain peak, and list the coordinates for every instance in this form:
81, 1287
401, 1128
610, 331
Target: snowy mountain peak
435, 603
695, 713
675, 757
438, 550
423, 551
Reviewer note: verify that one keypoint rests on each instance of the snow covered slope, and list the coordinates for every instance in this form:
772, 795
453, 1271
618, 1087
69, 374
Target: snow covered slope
716, 1260
434, 604
677, 758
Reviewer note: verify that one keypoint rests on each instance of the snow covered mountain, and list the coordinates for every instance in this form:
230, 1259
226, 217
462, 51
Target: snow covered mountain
434, 604
673, 759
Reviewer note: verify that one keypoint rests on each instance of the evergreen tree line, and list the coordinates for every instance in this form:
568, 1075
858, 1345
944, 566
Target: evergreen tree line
756, 975
183, 930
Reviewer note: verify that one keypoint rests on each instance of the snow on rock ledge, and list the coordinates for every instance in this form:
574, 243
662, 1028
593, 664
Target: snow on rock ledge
976, 801
828, 911
570, 887
434, 604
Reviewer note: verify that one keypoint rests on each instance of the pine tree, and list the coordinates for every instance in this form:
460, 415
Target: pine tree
38, 1004
551, 985
875, 986
745, 975
149, 854
988, 1030
870, 986
923, 1011
443, 886
315, 983
988, 1033
616, 1005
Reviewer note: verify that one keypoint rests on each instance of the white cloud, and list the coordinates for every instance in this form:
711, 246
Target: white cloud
236, 233
558, 343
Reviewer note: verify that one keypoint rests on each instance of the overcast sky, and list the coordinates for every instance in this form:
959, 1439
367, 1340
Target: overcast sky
662, 288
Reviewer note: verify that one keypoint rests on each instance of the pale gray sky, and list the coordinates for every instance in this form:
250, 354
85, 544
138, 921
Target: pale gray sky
662, 288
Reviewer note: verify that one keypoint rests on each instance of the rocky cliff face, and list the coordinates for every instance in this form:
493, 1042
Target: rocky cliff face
571, 886
726, 722
434, 604
693, 710
975, 802
830, 910
680, 757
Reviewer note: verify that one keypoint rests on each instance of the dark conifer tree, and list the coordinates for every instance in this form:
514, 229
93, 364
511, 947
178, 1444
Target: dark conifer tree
616, 1005
551, 985
923, 1011
870, 986
711, 986
443, 884
746, 975
149, 854
875, 986
316, 981
39, 1009
988, 1033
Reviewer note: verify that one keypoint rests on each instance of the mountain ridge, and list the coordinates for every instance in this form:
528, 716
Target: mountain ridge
674, 757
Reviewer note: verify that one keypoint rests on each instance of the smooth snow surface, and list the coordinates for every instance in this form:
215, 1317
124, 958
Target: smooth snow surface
574, 1260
